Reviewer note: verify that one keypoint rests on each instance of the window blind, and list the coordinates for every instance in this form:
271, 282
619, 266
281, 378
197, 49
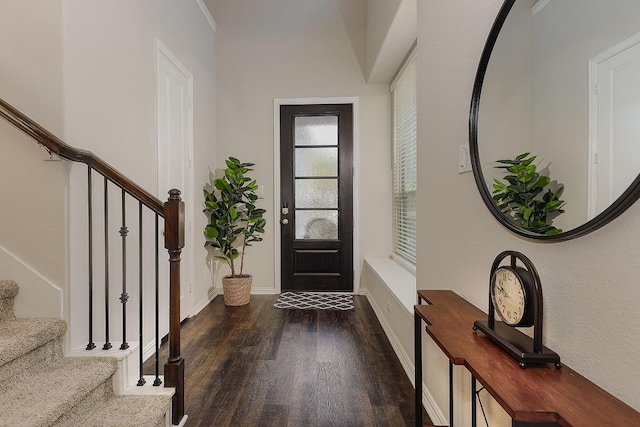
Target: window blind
404, 94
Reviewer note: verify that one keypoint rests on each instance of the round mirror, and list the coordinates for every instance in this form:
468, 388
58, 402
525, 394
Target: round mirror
555, 116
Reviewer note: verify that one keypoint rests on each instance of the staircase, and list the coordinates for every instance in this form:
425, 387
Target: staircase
41, 387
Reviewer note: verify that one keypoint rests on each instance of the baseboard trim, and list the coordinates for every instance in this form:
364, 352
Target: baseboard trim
213, 292
264, 291
430, 405
37, 293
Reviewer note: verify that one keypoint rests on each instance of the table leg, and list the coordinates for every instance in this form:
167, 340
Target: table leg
450, 393
417, 343
474, 421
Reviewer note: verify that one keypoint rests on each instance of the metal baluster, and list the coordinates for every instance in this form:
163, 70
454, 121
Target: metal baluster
474, 421
107, 344
141, 381
450, 393
91, 345
157, 381
124, 296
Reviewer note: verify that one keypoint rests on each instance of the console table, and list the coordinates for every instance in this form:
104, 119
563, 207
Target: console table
535, 396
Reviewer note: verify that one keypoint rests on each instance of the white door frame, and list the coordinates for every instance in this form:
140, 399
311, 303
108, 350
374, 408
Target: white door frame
187, 258
277, 102
594, 63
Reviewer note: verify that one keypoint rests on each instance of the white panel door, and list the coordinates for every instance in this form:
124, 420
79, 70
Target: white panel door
616, 155
175, 147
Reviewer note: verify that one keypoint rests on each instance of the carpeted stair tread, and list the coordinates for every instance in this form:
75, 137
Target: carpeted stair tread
126, 411
44, 396
20, 336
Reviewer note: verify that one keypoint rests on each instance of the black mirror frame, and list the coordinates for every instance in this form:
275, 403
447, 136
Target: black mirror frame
623, 202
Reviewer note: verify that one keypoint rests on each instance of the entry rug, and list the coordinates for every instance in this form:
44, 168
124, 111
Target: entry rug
315, 301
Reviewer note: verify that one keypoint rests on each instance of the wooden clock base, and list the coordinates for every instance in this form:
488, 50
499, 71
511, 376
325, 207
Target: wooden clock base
516, 344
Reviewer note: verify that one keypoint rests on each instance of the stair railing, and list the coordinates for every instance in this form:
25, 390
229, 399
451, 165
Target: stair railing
172, 212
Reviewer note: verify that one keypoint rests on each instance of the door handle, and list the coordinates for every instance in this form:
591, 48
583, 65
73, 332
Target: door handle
284, 221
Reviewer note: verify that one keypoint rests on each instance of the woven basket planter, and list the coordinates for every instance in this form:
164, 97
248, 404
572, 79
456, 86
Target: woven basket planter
237, 290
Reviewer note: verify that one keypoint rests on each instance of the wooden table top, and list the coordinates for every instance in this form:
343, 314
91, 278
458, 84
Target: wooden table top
539, 393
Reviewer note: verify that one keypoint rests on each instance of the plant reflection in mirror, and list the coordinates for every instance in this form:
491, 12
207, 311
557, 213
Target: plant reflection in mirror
523, 198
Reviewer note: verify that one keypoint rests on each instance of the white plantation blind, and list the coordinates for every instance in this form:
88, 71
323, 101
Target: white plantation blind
404, 90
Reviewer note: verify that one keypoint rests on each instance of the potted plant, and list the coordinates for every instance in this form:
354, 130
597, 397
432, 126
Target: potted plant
234, 223
522, 199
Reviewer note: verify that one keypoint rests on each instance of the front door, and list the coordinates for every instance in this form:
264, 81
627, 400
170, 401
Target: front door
317, 197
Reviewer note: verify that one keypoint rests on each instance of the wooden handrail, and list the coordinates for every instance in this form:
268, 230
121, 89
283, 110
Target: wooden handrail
53, 144
172, 211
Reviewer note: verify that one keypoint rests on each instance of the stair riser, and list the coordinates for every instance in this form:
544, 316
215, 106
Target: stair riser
8, 292
93, 400
6, 309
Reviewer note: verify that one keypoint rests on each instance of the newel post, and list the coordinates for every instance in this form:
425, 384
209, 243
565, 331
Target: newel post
174, 242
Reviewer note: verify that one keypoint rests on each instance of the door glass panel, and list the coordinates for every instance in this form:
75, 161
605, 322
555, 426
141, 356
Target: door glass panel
316, 161
316, 130
317, 225
317, 193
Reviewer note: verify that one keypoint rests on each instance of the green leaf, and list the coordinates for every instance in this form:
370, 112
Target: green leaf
211, 232
219, 184
499, 186
554, 204
542, 182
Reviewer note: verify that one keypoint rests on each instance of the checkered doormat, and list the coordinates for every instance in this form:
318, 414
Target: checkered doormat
315, 301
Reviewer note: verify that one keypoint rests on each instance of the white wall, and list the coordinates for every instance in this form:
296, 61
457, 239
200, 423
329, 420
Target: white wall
391, 30
380, 14
297, 49
110, 106
590, 283
33, 230
505, 120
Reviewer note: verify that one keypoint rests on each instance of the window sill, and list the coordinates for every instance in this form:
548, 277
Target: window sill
400, 282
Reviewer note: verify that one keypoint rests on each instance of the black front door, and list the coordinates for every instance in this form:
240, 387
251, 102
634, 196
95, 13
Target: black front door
316, 143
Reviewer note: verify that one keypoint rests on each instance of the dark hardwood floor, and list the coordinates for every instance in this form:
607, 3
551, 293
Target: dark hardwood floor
260, 366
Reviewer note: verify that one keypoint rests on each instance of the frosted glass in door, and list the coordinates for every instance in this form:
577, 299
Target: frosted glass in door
316, 177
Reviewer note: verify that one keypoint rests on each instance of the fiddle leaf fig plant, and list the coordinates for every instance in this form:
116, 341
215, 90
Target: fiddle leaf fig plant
234, 220
523, 198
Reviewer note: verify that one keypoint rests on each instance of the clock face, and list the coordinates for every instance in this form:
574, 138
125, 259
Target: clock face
509, 295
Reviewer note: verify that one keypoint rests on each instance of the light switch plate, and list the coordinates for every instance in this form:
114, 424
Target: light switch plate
464, 159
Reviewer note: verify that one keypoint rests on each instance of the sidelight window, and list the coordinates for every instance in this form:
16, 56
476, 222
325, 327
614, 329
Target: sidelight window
404, 94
